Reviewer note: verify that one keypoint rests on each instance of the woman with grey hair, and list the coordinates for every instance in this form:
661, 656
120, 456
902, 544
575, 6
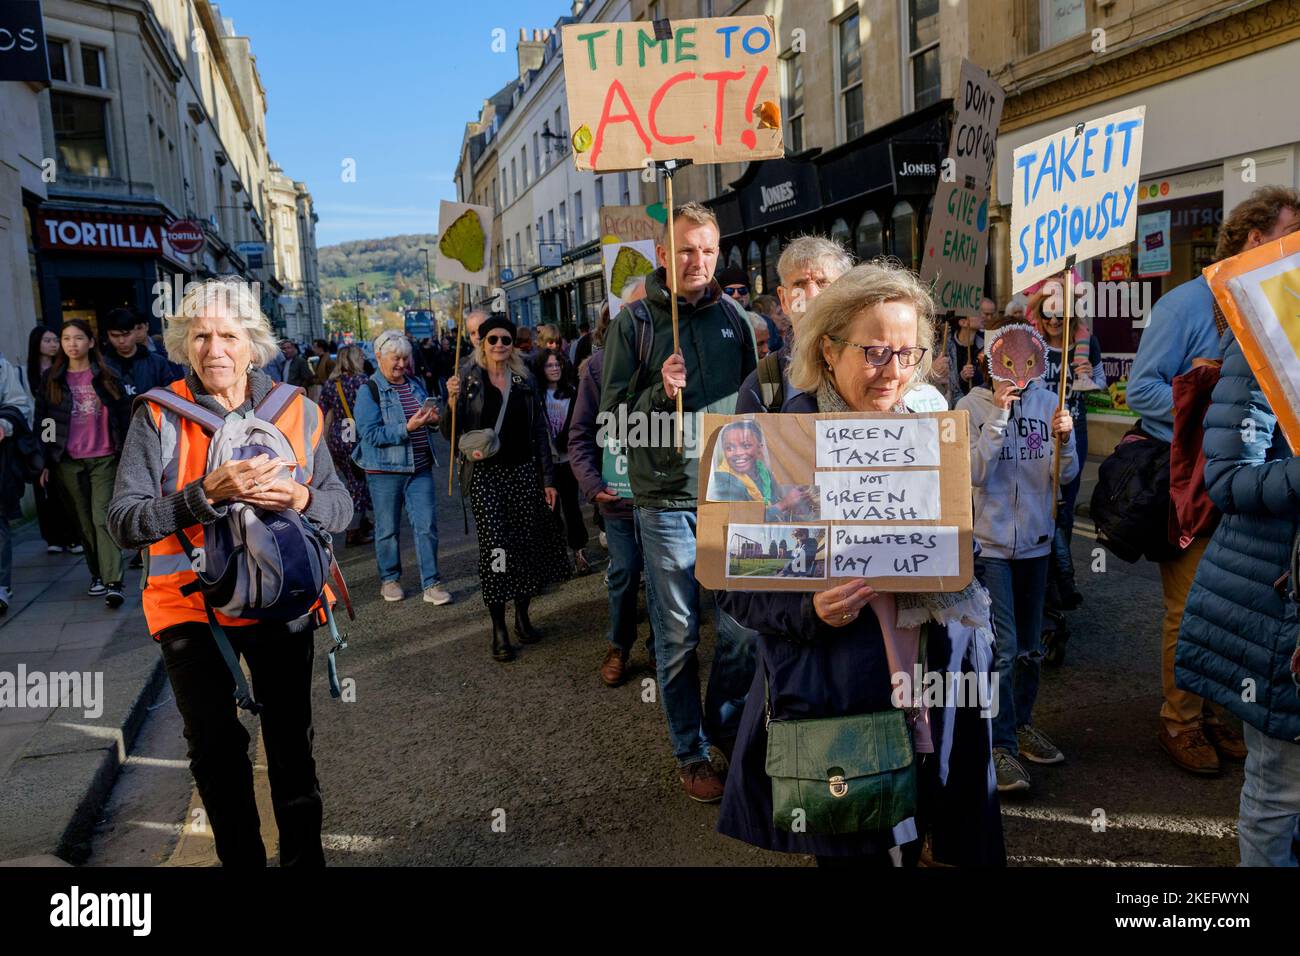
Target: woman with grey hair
338, 398
164, 493
863, 344
395, 422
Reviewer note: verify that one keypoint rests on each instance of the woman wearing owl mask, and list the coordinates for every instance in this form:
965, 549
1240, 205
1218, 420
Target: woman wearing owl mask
1016, 430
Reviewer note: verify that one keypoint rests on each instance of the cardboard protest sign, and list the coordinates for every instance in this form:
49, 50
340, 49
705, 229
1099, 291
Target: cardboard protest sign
709, 92
973, 146
805, 502
1259, 292
463, 234
627, 246
956, 243
1074, 193
956, 248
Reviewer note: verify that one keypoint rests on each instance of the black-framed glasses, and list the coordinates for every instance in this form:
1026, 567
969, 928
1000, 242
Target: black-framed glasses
499, 340
881, 355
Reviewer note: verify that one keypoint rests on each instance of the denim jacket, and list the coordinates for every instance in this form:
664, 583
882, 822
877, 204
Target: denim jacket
383, 443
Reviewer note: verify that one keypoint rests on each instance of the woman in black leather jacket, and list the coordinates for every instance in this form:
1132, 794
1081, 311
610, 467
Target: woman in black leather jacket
512, 492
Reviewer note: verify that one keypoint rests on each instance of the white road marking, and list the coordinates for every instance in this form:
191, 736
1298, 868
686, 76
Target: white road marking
137, 761
1077, 861
1222, 828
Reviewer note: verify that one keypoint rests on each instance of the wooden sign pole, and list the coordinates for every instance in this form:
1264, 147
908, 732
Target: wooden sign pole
1060, 398
672, 287
455, 370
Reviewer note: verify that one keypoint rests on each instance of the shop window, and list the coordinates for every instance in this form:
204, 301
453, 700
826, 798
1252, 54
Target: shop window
80, 134
902, 233
600, 193
1060, 20
793, 69
754, 263
921, 81
840, 232
770, 255
58, 54
734, 259
870, 237
92, 66
849, 76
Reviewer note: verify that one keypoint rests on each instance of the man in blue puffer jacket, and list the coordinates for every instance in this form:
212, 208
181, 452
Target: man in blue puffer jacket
1239, 629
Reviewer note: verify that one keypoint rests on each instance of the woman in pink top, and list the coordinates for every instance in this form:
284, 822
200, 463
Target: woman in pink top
90, 411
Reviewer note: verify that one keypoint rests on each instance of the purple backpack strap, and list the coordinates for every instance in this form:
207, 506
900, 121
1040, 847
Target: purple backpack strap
276, 402
208, 421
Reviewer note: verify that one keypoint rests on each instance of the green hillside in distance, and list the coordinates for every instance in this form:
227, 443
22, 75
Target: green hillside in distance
392, 269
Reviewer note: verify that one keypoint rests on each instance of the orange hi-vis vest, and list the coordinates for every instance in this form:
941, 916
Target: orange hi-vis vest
184, 460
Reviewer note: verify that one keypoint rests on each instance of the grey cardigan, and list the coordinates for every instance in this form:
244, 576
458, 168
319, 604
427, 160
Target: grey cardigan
139, 515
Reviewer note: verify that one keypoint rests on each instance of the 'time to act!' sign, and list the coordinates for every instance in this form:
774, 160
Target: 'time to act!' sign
704, 90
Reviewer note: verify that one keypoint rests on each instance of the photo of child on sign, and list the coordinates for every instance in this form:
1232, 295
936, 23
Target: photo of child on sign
742, 471
703, 90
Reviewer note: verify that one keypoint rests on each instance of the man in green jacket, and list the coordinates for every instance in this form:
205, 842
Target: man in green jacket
638, 400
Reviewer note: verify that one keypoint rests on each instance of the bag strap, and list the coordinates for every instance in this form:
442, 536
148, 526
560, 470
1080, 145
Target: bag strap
338, 386
505, 400
276, 402
193, 411
771, 383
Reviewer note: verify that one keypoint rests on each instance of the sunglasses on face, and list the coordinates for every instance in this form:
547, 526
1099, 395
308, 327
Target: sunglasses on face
499, 340
881, 355
735, 289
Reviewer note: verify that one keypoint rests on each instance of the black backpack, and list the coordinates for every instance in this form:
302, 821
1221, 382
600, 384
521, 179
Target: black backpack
1130, 504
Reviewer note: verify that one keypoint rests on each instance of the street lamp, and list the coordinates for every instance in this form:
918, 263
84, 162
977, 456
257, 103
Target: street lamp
356, 292
428, 282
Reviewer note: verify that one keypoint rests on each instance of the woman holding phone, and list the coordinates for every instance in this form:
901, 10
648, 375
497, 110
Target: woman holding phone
395, 422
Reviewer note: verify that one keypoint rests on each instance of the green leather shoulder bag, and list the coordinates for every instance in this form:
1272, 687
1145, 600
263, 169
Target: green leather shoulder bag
841, 775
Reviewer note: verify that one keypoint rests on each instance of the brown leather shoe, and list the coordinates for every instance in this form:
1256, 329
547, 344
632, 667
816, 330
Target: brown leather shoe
1225, 740
613, 668
1190, 750
701, 782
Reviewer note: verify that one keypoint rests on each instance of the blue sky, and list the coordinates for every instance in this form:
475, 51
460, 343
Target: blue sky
390, 84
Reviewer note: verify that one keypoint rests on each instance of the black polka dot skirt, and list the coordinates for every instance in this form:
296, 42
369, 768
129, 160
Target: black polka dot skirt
520, 540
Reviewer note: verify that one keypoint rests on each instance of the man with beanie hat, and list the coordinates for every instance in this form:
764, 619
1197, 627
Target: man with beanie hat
139, 369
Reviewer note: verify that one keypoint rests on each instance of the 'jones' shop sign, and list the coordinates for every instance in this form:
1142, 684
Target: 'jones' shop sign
22, 42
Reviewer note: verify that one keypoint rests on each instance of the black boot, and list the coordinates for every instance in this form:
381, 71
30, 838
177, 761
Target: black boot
525, 633
501, 649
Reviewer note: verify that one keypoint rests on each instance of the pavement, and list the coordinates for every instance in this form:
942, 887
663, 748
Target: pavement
442, 756
59, 764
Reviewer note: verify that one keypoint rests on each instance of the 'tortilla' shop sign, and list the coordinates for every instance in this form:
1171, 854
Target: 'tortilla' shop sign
103, 233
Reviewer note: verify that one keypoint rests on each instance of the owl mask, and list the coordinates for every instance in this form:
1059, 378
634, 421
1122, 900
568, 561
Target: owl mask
1016, 353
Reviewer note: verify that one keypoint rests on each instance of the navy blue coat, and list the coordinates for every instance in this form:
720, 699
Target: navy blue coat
814, 670
1237, 627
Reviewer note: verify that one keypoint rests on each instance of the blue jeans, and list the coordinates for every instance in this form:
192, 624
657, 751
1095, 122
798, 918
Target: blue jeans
1017, 590
388, 492
1268, 830
668, 547
624, 580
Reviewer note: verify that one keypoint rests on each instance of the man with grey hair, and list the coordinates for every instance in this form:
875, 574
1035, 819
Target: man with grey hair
806, 267
472, 321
